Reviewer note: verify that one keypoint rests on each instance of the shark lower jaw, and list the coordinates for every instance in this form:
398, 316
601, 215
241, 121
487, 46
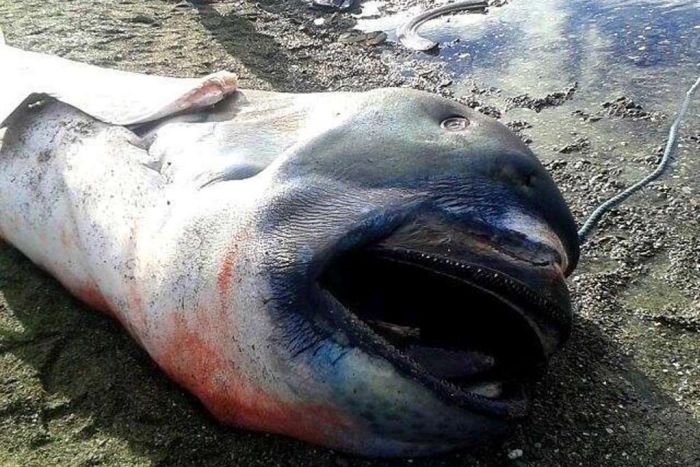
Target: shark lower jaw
474, 336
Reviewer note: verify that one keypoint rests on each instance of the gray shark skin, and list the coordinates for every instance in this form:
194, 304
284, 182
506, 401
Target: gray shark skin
378, 272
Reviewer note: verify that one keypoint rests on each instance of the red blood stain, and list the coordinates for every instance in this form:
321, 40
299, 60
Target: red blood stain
91, 295
197, 353
195, 361
225, 276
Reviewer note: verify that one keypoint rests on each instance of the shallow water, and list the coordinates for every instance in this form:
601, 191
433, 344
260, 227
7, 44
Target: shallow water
645, 50
643, 47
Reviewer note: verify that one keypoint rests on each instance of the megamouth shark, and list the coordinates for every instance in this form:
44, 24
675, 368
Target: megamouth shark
379, 272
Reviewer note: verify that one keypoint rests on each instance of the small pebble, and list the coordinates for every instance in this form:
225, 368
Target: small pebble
515, 454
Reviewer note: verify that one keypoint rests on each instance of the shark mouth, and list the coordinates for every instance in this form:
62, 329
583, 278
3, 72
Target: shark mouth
472, 334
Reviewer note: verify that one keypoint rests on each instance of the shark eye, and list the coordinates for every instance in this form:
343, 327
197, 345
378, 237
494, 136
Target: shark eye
455, 124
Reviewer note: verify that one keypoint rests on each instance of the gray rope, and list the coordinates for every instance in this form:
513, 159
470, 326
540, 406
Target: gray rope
407, 33
616, 200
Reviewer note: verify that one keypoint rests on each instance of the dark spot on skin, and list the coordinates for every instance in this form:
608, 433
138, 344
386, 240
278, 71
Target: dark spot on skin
44, 156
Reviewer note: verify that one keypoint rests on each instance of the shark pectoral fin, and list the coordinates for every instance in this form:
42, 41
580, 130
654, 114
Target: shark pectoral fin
112, 96
189, 94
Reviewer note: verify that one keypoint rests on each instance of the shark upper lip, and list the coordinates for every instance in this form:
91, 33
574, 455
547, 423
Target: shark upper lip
456, 349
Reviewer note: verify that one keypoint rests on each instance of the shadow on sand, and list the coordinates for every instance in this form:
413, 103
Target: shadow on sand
260, 53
